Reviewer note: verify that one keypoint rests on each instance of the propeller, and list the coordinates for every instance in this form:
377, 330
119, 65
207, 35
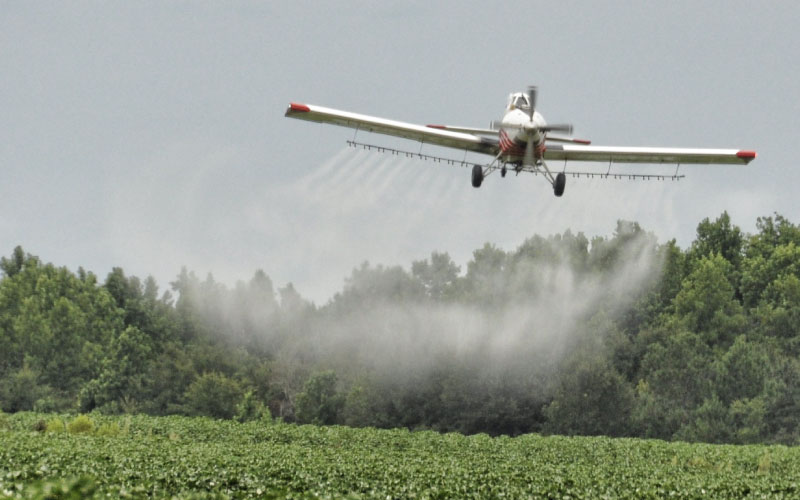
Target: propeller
532, 93
531, 126
529, 159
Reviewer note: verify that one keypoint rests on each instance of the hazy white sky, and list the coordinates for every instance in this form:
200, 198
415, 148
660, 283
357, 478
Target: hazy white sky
150, 135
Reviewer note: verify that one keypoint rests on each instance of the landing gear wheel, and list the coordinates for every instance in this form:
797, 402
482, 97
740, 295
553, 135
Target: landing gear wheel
477, 176
560, 184
503, 171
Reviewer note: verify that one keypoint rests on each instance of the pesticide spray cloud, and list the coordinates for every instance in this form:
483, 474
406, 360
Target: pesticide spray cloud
521, 322
361, 205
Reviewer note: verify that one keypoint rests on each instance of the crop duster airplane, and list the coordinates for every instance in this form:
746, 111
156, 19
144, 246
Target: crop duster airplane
522, 141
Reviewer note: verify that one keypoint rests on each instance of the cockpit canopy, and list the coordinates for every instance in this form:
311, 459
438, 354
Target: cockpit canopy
518, 100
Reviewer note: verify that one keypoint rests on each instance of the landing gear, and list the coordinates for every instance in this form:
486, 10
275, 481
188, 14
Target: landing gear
477, 176
559, 184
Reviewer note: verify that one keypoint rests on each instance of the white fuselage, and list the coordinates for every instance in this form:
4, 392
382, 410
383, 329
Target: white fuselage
517, 130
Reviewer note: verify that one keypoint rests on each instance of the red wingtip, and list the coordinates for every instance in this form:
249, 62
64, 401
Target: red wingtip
582, 141
437, 126
746, 155
299, 107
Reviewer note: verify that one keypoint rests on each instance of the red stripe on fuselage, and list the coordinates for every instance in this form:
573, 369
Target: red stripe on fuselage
511, 148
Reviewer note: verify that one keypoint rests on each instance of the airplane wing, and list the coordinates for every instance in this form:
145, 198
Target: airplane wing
429, 135
485, 140
614, 154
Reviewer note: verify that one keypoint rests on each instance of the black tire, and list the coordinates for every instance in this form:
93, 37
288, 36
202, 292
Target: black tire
477, 176
560, 184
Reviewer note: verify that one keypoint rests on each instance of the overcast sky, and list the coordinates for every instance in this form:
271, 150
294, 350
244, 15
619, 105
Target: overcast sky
151, 135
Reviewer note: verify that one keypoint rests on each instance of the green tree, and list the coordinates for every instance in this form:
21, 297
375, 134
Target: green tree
748, 419
15, 263
782, 401
591, 399
319, 403
780, 317
368, 285
742, 371
259, 307
122, 382
707, 304
20, 390
214, 395
760, 274
486, 275
59, 322
531, 269
250, 408
719, 238
709, 423
188, 307
169, 374
439, 276
677, 377
657, 298
141, 305
356, 408
772, 233
606, 254
294, 308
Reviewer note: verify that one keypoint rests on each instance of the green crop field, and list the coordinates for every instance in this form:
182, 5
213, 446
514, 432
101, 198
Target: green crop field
201, 458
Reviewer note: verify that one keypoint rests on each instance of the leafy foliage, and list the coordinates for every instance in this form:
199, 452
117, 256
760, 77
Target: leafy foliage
81, 424
213, 394
319, 403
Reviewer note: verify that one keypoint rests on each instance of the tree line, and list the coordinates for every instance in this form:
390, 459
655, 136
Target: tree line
618, 336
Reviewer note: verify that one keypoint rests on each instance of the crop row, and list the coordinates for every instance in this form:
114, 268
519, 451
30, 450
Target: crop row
166, 456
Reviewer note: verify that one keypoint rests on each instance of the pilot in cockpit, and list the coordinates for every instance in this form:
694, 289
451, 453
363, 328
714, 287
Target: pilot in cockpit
518, 101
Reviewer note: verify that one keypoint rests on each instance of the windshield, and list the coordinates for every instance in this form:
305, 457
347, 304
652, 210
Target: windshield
518, 101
